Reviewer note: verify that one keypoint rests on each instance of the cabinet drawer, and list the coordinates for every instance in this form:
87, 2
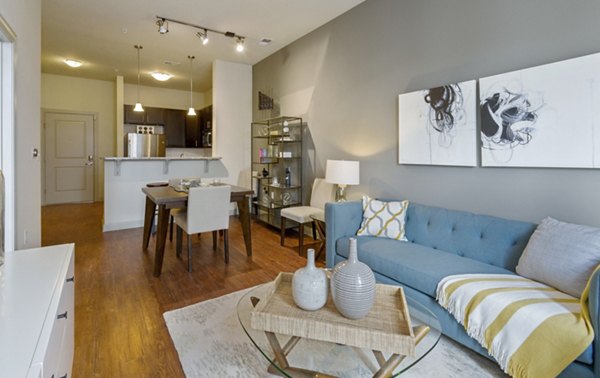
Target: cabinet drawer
59, 353
53, 350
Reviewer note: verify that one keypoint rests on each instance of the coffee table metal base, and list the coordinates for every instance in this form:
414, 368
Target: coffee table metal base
386, 366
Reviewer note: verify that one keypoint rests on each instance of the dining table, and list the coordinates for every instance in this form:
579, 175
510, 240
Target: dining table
167, 198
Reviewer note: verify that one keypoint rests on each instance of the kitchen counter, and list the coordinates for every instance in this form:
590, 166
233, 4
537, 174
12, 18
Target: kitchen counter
125, 177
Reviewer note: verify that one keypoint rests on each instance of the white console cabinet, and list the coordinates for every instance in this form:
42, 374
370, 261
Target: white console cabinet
37, 312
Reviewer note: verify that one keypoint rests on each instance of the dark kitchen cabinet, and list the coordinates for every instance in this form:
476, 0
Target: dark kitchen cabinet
133, 118
180, 129
175, 123
150, 116
193, 131
155, 116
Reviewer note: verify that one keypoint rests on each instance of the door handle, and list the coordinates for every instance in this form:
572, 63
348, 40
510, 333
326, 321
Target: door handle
89, 163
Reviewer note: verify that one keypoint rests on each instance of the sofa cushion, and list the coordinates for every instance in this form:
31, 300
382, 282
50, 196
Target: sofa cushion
413, 265
491, 240
562, 255
383, 219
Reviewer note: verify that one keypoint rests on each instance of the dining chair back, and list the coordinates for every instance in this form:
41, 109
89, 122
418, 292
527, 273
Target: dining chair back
322, 192
207, 210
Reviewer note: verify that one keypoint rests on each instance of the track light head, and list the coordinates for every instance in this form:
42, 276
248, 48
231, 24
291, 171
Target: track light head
163, 26
203, 35
239, 45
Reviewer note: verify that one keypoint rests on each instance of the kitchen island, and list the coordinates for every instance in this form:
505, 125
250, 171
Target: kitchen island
124, 178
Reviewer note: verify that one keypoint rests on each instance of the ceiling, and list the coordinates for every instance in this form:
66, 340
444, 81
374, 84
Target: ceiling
102, 34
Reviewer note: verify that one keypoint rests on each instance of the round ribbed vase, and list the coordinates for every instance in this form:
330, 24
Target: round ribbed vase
309, 285
353, 286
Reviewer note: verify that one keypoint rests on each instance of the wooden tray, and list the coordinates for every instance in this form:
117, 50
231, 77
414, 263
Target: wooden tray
386, 328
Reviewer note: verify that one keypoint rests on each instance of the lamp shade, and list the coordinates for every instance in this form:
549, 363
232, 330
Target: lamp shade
342, 172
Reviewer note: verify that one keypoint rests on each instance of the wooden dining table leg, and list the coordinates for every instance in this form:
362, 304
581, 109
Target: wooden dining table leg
161, 238
244, 209
148, 222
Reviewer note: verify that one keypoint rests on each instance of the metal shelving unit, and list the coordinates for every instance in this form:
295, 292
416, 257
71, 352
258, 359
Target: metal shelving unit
276, 148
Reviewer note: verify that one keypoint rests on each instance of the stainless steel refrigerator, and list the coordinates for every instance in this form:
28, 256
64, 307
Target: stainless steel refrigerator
144, 145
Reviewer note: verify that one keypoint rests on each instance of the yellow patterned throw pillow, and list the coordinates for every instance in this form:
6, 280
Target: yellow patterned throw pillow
383, 219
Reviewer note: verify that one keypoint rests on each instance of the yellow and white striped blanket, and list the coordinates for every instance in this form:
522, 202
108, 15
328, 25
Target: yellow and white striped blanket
531, 329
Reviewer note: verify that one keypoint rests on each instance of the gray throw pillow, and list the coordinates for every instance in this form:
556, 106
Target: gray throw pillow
562, 255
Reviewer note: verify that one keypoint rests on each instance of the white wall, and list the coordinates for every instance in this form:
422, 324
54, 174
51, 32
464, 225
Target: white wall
232, 116
72, 94
162, 97
24, 17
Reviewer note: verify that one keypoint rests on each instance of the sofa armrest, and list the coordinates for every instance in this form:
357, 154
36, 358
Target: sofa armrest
342, 219
594, 308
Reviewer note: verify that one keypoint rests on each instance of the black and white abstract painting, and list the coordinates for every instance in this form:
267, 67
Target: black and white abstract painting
545, 116
437, 126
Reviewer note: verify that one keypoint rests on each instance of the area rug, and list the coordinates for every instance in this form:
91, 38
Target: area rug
211, 343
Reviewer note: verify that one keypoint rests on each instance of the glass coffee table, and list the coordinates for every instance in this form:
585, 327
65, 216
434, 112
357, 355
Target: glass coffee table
300, 357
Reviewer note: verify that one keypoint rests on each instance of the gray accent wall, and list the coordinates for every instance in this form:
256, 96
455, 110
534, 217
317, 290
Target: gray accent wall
344, 79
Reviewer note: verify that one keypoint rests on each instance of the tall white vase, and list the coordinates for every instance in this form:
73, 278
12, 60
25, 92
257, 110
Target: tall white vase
353, 286
309, 285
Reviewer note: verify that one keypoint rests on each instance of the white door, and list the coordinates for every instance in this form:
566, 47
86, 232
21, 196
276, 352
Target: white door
69, 151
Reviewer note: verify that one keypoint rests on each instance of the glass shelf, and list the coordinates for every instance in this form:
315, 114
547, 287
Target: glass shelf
270, 140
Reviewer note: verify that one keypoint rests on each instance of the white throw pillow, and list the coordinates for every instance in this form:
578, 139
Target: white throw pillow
562, 255
383, 219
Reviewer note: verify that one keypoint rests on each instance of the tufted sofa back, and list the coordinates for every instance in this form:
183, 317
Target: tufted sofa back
492, 240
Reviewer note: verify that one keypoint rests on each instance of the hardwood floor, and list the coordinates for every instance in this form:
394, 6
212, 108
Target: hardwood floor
119, 328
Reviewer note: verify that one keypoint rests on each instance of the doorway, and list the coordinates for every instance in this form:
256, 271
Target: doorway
8, 39
69, 157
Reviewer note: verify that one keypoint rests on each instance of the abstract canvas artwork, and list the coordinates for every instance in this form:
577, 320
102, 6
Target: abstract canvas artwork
437, 126
545, 116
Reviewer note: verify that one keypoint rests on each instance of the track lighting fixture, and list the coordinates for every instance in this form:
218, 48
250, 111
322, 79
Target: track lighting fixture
163, 26
239, 45
202, 34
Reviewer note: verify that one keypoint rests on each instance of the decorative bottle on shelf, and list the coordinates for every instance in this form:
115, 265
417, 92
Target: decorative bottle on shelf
265, 197
309, 285
353, 286
288, 177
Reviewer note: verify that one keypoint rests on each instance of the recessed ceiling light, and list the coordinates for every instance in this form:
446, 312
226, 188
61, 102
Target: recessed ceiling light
265, 41
73, 63
161, 76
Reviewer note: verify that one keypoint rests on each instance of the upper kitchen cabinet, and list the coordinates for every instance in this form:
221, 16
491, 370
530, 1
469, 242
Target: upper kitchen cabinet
196, 128
155, 116
150, 116
193, 132
175, 123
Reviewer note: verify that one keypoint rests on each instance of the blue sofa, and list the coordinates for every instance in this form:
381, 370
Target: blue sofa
442, 242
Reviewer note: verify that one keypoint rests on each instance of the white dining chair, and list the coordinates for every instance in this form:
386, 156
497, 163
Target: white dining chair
321, 193
207, 210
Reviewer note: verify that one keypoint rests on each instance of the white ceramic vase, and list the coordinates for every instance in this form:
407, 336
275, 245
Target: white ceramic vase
353, 286
309, 285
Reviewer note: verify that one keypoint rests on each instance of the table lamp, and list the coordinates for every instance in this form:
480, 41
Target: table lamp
342, 173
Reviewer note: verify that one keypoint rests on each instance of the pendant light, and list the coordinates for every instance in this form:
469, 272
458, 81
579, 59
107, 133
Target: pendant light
138, 105
191, 111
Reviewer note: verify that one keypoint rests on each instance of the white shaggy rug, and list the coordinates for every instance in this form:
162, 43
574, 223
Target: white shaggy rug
211, 343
